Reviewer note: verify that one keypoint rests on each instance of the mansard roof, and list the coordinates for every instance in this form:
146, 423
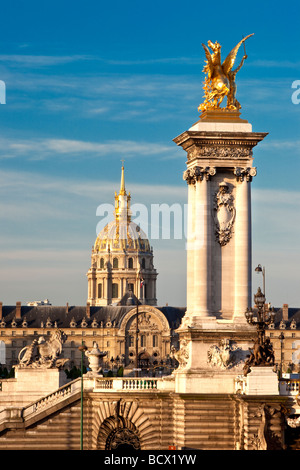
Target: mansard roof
293, 316
78, 316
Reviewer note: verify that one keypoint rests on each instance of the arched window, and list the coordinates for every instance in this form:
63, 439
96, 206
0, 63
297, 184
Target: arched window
101, 263
154, 341
115, 291
130, 263
115, 263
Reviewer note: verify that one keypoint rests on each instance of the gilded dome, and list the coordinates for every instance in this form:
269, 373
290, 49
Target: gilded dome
121, 233
118, 236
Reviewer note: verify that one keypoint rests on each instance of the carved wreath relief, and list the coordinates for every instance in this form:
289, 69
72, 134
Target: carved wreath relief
224, 214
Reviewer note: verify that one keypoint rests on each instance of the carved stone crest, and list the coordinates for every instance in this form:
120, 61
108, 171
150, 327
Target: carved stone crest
223, 356
224, 213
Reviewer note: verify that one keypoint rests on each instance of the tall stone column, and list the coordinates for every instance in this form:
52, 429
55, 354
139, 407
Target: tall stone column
243, 243
190, 242
199, 242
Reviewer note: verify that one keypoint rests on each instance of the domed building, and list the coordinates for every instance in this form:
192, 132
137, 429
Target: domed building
122, 259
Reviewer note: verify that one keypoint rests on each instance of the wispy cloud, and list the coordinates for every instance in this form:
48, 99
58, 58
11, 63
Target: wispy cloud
39, 149
274, 63
40, 60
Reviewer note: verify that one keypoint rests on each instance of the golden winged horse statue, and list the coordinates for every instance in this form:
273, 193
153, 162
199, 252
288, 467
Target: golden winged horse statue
220, 79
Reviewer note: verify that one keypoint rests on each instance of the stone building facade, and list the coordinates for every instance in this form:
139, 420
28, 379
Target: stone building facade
113, 328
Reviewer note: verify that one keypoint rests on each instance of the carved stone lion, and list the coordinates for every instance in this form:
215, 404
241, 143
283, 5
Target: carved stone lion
44, 354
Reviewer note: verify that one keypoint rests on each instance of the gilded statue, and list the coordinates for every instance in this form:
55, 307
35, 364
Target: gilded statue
220, 80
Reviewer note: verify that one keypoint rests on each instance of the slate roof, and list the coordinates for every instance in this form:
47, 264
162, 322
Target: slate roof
294, 314
113, 313
35, 315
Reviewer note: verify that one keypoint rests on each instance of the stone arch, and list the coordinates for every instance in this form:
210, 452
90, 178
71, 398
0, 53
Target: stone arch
152, 322
115, 433
144, 309
123, 422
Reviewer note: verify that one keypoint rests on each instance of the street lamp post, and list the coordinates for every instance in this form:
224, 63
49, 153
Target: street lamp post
264, 317
262, 269
281, 337
130, 301
81, 348
263, 350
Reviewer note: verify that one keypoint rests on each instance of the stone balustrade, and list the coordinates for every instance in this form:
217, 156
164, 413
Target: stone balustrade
289, 387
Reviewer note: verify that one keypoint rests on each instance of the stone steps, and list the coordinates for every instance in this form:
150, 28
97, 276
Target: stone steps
59, 432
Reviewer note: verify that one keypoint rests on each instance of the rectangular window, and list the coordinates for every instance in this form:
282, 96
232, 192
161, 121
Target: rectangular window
115, 291
99, 291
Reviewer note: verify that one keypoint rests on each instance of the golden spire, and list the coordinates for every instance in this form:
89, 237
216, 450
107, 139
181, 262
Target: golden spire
122, 204
122, 187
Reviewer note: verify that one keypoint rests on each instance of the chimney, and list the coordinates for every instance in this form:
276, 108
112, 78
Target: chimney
1, 315
67, 307
88, 310
18, 310
285, 312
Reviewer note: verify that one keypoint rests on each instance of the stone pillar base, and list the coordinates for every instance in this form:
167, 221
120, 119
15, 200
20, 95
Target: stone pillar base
262, 381
39, 382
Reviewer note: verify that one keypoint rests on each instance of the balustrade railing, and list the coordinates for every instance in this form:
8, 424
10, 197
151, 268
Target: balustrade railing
139, 384
129, 383
289, 386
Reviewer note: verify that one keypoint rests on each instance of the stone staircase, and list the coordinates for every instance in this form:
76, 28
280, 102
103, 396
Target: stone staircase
60, 431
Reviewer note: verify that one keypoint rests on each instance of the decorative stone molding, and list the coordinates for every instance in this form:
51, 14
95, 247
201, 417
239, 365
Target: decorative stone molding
245, 173
197, 173
220, 152
224, 214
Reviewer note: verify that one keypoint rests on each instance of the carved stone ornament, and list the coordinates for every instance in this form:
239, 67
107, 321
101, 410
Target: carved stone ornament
224, 214
95, 359
225, 355
181, 355
266, 438
245, 173
44, 354
293, 422
197, 173
221, 152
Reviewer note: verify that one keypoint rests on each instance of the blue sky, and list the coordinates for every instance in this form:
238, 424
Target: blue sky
88, 84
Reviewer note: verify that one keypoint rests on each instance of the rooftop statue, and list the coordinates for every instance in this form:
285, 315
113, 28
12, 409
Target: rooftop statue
220, 79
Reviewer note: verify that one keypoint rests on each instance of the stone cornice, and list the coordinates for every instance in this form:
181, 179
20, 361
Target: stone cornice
217, 138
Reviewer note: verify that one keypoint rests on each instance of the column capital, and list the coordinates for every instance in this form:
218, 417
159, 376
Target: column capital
245, 173
197, 173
